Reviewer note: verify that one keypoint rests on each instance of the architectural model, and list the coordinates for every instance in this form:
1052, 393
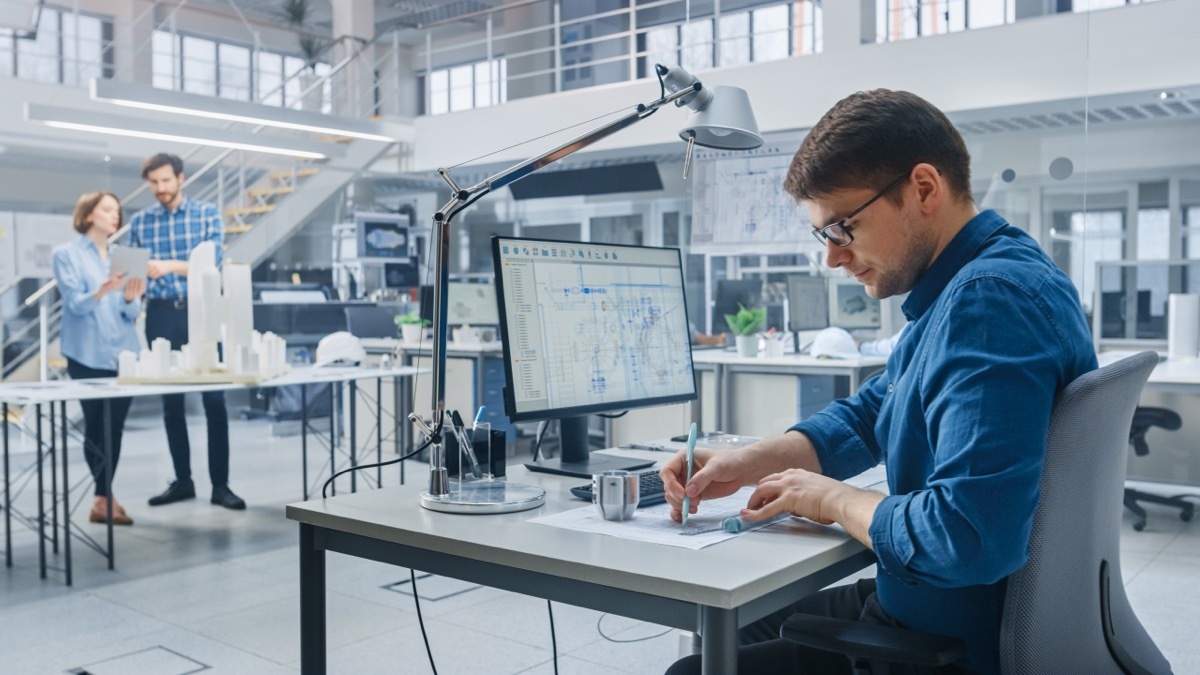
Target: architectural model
219, 313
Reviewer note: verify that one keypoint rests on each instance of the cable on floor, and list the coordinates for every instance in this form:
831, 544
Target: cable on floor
417, 601
553, 639
612, 639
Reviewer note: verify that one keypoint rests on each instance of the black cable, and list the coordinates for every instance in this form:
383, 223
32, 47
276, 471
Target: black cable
553, 640
641, 639
417, 601
612, 416
537, 438
371, 466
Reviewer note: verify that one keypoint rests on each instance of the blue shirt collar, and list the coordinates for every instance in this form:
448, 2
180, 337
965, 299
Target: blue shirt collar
960, 251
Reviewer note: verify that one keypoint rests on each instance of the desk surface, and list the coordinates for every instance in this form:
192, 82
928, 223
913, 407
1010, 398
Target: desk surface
726, 575
731, 358
32, 393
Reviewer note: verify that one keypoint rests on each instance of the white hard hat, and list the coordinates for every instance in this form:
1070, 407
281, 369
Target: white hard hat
835, 343
342, 348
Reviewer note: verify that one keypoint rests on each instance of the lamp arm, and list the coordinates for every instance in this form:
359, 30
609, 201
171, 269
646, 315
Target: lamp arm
461, 198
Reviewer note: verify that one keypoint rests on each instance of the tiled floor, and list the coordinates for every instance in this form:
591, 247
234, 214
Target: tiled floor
198, 587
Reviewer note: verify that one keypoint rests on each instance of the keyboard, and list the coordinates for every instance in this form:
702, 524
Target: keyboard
650, 489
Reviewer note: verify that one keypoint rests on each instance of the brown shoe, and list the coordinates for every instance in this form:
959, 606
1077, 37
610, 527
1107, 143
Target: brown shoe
119, 517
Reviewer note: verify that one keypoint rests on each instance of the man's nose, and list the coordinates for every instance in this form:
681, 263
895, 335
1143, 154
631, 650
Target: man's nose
836, 256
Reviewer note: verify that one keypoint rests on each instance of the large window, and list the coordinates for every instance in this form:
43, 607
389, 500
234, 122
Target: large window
466, 86
905, 19
1080, 239
215, 68
67, 48
766, 33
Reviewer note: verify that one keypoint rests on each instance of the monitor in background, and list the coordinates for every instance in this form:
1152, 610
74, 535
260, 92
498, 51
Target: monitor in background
425, 298
381, 235
808, 303
471, 304
401, 274
730, 294
850, 306
590, 328
371, 321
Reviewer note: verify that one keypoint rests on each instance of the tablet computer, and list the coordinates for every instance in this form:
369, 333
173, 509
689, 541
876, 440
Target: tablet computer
129, 260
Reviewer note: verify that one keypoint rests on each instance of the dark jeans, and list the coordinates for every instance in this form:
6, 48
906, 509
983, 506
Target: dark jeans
93, 425
763, 651
166, 321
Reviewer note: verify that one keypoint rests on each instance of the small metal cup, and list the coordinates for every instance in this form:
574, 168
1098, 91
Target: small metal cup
615, 494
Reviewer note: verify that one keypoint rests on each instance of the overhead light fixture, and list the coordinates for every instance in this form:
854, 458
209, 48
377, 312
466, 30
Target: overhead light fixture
86, 120
165, 100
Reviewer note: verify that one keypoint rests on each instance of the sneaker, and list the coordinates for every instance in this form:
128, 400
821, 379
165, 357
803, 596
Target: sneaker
223, 496
178, 491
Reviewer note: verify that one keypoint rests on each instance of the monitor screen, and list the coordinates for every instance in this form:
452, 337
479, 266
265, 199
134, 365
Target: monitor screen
850, 306
590, 328
730, 294
471, 304
808, 303
401, 274
382, 235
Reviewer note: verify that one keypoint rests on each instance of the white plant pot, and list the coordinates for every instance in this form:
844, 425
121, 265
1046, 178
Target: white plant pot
411, 332
747, 345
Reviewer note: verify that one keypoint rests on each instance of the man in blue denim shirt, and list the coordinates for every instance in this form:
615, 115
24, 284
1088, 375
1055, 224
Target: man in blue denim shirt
961, 413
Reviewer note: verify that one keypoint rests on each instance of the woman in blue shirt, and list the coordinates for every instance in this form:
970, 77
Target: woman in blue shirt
99, 311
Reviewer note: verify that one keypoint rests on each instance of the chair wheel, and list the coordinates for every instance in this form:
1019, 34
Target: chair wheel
1185, 516
1139, 526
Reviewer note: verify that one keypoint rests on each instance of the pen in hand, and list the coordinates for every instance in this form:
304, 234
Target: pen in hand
691, 457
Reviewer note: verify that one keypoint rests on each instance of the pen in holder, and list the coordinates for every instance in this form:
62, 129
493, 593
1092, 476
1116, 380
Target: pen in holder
616, 494
490, 448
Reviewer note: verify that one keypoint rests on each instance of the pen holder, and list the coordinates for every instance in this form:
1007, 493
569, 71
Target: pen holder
772, 347
616, 494
490, 450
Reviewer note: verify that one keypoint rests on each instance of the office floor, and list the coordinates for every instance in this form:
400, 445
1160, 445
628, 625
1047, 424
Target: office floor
197, 587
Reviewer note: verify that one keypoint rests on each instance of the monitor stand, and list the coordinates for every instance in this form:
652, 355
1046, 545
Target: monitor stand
576, 460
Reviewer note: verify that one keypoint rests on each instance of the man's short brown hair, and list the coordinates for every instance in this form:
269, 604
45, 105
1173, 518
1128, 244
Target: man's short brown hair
88, 203
872, 137
160, 160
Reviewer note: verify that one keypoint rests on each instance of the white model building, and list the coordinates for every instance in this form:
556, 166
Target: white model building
219, 313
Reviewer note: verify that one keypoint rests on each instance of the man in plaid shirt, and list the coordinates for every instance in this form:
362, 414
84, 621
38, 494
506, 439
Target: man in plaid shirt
171, 229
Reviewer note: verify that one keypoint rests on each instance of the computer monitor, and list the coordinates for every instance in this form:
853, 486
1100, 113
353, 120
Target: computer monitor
471, 304
381, 235
401, 274
590, 328
730, 294
850, 306
808, 303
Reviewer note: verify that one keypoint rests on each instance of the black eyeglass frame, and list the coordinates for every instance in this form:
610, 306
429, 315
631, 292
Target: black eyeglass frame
822, 234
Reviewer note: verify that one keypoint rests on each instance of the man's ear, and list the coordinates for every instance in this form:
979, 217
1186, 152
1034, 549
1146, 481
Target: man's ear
931, 187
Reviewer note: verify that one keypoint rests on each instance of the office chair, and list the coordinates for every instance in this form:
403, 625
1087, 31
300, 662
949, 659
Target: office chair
370, 321
1065, 611
1144, 419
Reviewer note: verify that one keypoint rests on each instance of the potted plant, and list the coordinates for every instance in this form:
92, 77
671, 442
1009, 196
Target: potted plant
296, 14
745, 326
412, 326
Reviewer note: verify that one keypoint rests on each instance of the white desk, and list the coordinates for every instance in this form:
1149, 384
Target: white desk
725, 586
725, 365
60, 392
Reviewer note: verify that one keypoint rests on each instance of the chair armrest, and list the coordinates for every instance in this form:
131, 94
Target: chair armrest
874, 642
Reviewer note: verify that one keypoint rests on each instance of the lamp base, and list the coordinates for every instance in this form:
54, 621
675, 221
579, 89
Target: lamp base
485, 497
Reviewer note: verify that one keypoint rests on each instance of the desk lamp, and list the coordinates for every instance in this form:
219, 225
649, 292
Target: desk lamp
720, 118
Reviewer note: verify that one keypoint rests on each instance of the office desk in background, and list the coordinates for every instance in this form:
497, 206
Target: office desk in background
713, 591
759, 396
35, 395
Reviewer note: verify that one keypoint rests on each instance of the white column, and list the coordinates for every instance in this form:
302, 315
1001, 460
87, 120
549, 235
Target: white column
353, 87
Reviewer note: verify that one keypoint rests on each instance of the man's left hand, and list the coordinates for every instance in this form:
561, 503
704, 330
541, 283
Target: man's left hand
816, 497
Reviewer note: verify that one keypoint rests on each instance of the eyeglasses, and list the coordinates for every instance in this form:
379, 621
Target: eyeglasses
839, 232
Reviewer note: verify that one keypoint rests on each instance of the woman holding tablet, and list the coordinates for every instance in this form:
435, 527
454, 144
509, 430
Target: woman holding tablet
99, 311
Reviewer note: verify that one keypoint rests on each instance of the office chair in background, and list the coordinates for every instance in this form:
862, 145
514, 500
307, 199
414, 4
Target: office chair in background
1144, 419
371, 322
1065, 611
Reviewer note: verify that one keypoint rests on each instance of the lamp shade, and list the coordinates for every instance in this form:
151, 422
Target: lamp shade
726, 123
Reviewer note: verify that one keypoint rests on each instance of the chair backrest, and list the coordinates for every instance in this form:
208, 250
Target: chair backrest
1066, 610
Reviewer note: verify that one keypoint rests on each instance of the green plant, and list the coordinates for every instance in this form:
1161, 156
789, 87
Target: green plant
296, 13
747, 321
410, 319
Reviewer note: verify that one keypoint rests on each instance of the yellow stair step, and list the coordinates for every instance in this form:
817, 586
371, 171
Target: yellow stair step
287, 173
237, 229
250, 210
271, 191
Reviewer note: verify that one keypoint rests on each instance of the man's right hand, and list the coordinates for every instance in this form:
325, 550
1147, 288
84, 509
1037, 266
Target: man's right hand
157, 268
715, 474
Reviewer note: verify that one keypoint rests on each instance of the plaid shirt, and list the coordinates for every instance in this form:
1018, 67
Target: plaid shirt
171, 235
